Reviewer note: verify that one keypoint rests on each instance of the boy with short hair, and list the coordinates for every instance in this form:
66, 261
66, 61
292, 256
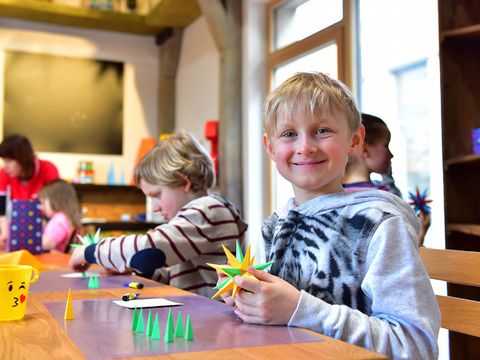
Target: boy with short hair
177, 175
346, 264
373, 156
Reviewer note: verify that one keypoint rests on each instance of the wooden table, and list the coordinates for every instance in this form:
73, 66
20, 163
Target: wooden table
40, 336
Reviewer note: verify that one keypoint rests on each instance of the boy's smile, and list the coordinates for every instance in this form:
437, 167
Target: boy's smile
311, 152
308, 164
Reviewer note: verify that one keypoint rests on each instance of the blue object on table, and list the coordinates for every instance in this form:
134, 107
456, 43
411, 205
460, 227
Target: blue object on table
476, 140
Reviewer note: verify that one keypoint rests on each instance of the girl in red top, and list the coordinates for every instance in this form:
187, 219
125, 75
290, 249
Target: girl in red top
23, 173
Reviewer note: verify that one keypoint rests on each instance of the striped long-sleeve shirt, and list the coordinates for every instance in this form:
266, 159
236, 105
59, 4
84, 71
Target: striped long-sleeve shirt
185, 244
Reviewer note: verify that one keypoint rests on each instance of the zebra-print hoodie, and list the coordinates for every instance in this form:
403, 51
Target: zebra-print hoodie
354, 256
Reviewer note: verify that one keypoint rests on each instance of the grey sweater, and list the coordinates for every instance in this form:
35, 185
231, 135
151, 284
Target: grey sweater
354, 256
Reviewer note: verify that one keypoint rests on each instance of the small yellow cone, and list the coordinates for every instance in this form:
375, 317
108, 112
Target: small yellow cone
68, 308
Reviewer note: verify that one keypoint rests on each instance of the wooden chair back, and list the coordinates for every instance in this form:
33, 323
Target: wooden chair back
457, 267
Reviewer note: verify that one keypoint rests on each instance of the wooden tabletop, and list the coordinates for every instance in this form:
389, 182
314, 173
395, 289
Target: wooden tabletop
40, 336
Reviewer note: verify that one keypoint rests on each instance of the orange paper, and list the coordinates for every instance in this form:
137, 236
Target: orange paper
22, 257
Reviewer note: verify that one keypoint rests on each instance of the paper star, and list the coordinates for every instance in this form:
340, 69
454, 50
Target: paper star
88, 239
237, 267
420, 202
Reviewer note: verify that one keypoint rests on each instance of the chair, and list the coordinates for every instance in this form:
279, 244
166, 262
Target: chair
456, 267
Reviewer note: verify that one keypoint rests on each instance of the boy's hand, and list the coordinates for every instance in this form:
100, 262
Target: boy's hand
270, 301
425, 219
227, 297
77, 261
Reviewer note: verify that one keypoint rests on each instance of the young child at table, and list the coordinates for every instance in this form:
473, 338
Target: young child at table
176, 174
60, 207
22, 174
375, 156
346, 263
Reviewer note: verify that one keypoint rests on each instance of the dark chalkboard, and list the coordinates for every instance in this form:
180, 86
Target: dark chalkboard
64, 104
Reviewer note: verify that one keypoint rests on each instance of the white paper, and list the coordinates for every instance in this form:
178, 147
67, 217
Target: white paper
76, 275
146, 303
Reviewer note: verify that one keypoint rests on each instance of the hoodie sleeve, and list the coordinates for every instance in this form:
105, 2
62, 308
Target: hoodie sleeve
405, 317
197, 229
268, 230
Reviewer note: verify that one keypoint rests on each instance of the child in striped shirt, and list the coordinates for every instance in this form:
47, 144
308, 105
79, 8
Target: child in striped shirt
176, 174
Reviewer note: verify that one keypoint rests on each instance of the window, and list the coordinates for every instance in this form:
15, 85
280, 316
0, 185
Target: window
399, 81
298, 19
412, 109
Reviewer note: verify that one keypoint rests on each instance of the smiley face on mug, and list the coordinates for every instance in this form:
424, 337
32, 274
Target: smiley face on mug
17, 292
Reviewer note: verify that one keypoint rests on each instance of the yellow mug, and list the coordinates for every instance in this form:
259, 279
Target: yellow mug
14, 283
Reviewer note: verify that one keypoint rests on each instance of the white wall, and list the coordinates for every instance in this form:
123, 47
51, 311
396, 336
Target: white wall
198, 81
140, 55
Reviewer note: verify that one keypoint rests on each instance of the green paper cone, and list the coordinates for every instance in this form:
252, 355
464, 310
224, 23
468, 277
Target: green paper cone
232, 271
169, 328
135, 319
149, 327
140, 328
93, 282
238, 252
264, 266
156, 329
179, 327
188, 329
222, 284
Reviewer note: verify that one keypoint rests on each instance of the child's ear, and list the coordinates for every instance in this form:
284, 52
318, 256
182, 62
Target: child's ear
357, 140
187, 185
366, 150
268, 146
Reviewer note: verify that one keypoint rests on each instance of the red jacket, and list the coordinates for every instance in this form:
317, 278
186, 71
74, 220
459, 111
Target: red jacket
45, 172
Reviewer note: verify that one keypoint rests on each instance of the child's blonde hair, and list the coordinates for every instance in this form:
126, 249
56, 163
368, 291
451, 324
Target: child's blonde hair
63, 197
314, 93
175, 159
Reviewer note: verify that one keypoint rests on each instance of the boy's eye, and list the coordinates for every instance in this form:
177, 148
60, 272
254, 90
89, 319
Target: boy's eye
288, 134
321, 131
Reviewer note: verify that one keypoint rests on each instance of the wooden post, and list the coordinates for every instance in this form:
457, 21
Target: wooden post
169, 56
224, 21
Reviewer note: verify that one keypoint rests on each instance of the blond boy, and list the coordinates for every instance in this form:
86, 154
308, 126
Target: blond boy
177, 175
346, 264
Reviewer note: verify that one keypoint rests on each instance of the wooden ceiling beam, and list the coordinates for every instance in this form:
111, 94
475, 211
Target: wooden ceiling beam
173, 13
167, 13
